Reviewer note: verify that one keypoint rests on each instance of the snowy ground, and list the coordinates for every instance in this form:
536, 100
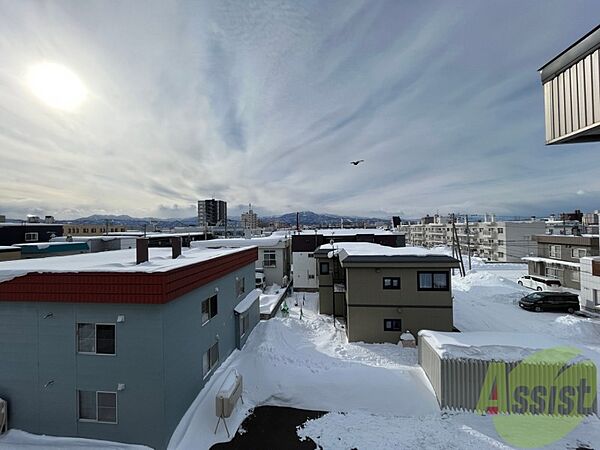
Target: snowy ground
20, 440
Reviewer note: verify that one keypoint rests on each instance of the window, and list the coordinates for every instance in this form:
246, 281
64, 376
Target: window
209, 309
575, 276
240, 286
500, 230
433, 281
31, 237
391, 282
500, 242
244, 324
210, 359
324, 268
578, 252
500, 254
555, 251
97, 406
96, 338
269, 258
311, 277
596, 296
392, 325
311, 255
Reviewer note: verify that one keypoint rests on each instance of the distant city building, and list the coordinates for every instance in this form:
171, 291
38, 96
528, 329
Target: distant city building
559, 257
212, 212
89, 229
590, 222
502, 241
18, 233
249, 219
2, 218
571, 84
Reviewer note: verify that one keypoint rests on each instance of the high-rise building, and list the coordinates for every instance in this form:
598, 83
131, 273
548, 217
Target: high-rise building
212, 212
249, 219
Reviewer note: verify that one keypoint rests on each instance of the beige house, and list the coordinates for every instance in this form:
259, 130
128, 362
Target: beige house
76, 229
382, 291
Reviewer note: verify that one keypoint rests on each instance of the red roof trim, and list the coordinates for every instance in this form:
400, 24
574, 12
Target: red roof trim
124, 287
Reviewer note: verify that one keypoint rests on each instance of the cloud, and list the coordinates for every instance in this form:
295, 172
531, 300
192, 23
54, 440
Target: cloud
267, 102
580, 192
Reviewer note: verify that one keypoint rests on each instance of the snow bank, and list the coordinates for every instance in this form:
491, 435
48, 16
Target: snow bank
309, 364
17, 439
488, 346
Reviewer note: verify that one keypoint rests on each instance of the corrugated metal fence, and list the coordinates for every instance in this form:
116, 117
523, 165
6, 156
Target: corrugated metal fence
460, 382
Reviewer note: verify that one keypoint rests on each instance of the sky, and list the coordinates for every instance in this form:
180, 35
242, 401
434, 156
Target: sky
268, 102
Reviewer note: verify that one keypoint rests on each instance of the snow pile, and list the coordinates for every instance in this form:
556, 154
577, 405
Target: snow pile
488, 345
270, 298
361, 430
17, 439
308, 364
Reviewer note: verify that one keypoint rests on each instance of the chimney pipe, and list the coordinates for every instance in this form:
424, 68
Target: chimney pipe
297, 221
141, 250
176, 246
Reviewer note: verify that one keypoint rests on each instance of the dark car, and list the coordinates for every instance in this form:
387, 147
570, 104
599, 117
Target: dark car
550, 301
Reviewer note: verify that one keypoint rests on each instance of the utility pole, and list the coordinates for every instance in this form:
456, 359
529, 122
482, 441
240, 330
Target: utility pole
458, 250
468, 239
453, 249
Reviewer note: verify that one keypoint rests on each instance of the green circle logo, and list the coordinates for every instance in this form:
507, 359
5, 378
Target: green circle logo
541, 399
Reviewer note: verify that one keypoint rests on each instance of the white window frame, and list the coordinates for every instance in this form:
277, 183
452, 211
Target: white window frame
596, 297
555, 251
576, 276
272, 262
31, 237
116, 422
95, 352
576, 252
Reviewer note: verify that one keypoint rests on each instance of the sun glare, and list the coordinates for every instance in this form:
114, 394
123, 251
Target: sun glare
56, 86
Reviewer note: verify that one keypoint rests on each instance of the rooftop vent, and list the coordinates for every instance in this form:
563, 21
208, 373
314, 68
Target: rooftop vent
176, 246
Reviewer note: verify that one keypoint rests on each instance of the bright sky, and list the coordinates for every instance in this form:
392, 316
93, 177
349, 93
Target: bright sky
141, 109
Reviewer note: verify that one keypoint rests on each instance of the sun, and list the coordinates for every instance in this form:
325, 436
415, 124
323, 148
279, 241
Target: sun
56, 86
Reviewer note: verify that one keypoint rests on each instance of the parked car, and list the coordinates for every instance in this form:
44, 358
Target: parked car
540, 283
550, 301
260, 280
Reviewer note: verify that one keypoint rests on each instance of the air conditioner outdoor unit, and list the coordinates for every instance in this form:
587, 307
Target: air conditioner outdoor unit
3, 416
227, 397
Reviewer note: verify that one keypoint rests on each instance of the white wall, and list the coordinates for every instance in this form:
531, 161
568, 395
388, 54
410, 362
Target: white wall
304, 267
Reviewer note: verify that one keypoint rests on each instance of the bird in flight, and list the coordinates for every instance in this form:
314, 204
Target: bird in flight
357, 162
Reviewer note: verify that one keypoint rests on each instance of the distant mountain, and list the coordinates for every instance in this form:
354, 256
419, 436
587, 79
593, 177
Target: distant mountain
314, 219
136, 222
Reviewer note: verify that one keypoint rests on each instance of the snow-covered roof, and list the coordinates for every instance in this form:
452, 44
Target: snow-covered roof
550, 260
248, 301
43, 245
266, 241
347, 231
488, 346
89, 238
160, 260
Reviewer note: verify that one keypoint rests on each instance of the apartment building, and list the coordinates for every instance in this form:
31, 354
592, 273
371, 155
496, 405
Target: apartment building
306, 242
212, 212
382, 291
559, 257
501, 241
76, 229
589, 297
571, 85
100, 347
249, 219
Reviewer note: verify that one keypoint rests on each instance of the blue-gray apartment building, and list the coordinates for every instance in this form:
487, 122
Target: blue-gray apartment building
108, 346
